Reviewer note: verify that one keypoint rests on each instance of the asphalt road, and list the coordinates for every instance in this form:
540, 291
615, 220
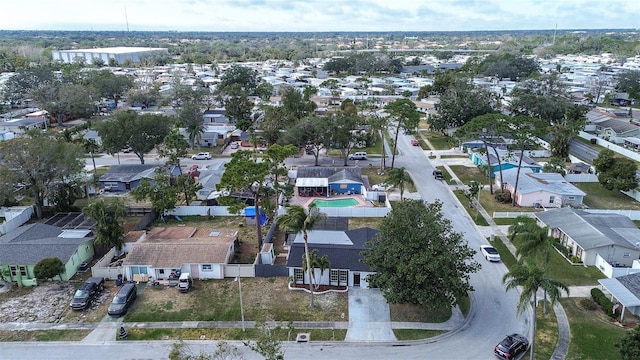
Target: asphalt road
493, 315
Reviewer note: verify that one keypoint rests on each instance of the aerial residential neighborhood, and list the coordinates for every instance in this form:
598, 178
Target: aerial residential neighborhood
380, 188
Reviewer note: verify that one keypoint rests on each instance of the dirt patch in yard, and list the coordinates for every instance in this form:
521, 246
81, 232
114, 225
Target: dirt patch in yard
44, 303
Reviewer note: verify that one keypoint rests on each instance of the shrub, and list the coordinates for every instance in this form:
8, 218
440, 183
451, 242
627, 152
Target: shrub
48, 268
575, 259
601, 299
502, 196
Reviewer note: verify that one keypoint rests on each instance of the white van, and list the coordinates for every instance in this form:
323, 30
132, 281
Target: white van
360, 155
185, 282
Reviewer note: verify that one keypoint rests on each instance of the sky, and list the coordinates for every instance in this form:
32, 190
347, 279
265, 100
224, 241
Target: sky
318, 15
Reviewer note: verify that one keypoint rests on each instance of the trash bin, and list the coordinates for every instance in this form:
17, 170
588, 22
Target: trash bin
119, 280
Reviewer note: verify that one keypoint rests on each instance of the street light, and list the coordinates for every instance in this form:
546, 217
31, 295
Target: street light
240, 290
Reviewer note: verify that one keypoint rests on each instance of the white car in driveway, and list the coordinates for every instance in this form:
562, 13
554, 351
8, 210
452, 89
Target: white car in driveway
490, 253
201, 156
382, 187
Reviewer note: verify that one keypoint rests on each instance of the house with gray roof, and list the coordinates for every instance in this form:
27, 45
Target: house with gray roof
344, 252
22, 248
613, 127
323, 181
549, 190
614, 237
126, 177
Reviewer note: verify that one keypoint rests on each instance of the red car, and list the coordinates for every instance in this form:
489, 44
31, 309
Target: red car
415, 142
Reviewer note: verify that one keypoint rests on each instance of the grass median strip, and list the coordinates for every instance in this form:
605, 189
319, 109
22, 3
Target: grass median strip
282, 333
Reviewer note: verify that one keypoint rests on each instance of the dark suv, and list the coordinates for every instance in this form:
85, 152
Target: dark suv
86, 293
511, 347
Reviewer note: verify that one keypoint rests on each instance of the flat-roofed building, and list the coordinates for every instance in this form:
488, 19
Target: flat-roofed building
120, 54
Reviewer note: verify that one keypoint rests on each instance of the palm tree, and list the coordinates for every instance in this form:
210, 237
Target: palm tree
297, 220
321, 263
531, 277
399, 179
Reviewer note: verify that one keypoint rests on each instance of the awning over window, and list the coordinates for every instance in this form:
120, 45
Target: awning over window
312, 182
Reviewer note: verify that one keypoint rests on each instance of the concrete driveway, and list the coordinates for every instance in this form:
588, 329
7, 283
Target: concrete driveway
369, 318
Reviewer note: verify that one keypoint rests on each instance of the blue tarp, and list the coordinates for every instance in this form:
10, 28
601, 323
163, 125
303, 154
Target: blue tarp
250, 212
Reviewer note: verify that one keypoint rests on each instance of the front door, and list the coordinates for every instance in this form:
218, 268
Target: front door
356, 279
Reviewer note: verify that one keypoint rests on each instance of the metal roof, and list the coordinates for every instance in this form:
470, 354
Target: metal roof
621, 291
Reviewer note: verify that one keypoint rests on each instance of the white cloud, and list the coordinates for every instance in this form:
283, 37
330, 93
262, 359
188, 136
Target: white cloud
319, 15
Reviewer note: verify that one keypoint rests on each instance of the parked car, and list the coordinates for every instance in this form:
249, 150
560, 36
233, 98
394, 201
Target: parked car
201, 156
86, 293
437, 174
415, 142
185, 282
123, 300
234, 145
382, 187
360, 155
490, 253
511, 347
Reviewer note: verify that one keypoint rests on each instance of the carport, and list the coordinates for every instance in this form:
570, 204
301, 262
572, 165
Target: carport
625, 289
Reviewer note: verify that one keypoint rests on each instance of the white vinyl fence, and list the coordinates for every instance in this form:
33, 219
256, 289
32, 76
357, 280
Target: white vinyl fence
14, 217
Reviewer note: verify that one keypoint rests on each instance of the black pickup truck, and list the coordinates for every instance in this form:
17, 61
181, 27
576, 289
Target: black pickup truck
86, 293
437, 174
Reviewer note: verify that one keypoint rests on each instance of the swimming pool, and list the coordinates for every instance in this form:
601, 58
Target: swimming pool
336, 203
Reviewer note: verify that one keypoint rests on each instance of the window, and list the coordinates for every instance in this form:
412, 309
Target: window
161, 271
571, 198
334, 276
626, 254
551, 199
14, 270
207, 267
344, 275
298, 275
23, 270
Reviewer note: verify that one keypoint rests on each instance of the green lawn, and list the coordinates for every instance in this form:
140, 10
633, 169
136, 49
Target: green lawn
467, 174
600, 198
546, 332
438, 141
592, 335
560, 269
222, 334
475, 215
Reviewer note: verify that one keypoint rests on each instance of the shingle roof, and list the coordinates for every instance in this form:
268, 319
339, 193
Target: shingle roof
619, 126
592, 230
191, 246
31, 243
343, 249
128, 173
353, 173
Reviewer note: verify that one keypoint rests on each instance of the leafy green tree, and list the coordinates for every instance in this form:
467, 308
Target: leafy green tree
109, 85
529, 277
406, 114
555, 165
238, 107
629, 344
145, 97
313, 132
274, 121
297, 220
20, 86
40, 162
461, 102
615, 172
66, 100
342, 133
244, 174
63, 194
399, 178
244, 78
190, 115
507, 65
407, 262
140, 132
174, 147
629, 82
295, 105
264, 90
162, 195
108, 227
48, 268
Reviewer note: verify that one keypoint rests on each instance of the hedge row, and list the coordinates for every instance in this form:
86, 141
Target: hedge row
601, 299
